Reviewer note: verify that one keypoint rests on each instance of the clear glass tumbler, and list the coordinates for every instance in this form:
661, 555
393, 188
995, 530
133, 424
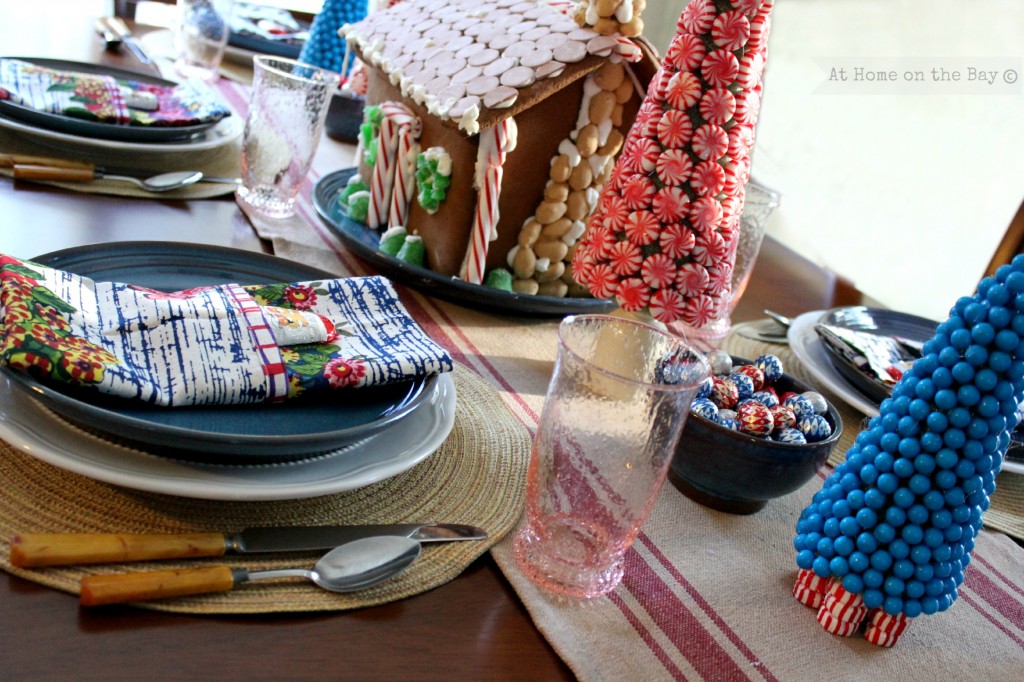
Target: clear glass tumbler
616, 404
287, 109
201, 35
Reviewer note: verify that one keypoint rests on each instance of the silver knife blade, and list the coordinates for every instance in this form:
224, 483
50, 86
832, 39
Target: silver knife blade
305, 538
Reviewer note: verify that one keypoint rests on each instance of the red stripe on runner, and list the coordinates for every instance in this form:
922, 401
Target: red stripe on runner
988, 616
235, 95
705, 606
687, 634
1005, 604
647, 637
992, 569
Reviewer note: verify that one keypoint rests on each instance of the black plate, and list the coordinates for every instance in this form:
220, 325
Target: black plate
253, 43
94, 129
875, 321
259, 434
363, 241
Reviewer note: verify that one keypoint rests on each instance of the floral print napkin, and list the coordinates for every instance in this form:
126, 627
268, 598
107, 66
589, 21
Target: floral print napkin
208, 345
105, 99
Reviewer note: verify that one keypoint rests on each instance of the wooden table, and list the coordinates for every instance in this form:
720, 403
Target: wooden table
472, 628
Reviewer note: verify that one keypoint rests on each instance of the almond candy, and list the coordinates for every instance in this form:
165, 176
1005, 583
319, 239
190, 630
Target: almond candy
524, 264
529, 234
587, 140
556, 191
560, 169
576, 207
550, 211
554, 250
624, 91
556, 288
525, 286
606, 27
609, 77
581, 177
557, 229
601, 106
617, 115
612, 145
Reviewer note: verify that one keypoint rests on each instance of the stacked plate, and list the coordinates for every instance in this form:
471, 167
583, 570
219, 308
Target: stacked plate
246, 452
56, 130
837, 374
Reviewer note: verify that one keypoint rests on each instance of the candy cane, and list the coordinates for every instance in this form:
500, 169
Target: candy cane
405, 169
395, 116
490, 164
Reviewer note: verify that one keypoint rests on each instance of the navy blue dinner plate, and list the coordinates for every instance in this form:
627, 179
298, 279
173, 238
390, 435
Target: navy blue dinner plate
259, 434
363, 242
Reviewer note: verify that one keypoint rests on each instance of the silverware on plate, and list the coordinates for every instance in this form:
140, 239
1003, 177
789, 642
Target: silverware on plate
64, 549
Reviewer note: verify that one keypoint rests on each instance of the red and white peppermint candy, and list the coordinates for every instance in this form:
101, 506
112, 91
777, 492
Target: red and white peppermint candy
582, 263
614, 211
746, 7
708, 178
658, 271
645, 154
741, 139
719, 279
691, 279
675, 129
637, 191
710, 142
729, 228
719, 68
730, 30
717, 105
885, 630
751, 68
733, 171
603, 282
760, 26
666, 305
710, 249
670, 204
642, 227
705, 213
601, 240
686, 52
684, 89
657, 91
834, 625
699, 311
698, 16
633, 295
748, 104
625, 258
845, 606
676, 240
647, 117
673, 166
732, 205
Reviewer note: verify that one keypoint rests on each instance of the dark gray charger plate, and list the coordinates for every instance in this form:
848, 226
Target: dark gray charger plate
260, 434
363, 242
94, 129
873, 321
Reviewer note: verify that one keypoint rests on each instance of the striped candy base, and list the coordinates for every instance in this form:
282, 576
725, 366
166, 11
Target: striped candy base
885, 630
810, 588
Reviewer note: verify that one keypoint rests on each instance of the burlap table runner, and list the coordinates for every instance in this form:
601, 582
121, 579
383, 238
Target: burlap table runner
478, 476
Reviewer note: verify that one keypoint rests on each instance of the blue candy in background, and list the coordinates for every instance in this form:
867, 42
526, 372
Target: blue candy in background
896, 522
325, 47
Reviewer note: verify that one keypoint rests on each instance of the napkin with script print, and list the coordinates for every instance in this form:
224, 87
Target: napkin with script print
105, 99
208, 345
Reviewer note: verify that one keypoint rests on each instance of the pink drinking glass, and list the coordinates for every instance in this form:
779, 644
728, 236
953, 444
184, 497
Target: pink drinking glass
616, 404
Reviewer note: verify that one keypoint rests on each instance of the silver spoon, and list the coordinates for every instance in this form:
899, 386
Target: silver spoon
352, 566
163, 182
781, 319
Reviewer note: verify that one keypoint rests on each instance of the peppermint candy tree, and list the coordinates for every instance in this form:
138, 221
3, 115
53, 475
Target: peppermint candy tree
663, 236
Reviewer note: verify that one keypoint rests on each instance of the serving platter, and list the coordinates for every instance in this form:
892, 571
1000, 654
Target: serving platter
255, 434
363, 242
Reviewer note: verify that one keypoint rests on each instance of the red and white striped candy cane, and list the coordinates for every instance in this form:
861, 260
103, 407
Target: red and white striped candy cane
394, 116
405, 171
494, 147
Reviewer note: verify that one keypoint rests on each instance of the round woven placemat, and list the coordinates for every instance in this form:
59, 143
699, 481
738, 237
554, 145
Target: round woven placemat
1006, 512
478, 476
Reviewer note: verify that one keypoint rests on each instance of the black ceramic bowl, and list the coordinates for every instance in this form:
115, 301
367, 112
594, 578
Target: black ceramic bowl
737, 473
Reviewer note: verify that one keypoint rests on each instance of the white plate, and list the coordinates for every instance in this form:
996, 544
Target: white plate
223, 133
809, 350
36, 431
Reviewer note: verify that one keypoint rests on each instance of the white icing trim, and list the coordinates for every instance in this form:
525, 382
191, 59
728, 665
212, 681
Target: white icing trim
568, 148
625, 12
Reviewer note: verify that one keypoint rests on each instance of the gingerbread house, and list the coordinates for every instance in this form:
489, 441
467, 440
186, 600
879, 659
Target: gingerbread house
491, 127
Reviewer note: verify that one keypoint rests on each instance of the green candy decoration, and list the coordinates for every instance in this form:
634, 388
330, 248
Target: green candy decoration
433, 177
355, 184
412, 251
499, 278
369, 131
359, 206
391, 241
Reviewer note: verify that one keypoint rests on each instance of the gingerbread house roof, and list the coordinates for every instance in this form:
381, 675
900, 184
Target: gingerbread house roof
473, 63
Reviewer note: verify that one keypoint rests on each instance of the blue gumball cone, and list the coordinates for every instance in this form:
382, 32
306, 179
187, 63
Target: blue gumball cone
892, 530
325, 47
